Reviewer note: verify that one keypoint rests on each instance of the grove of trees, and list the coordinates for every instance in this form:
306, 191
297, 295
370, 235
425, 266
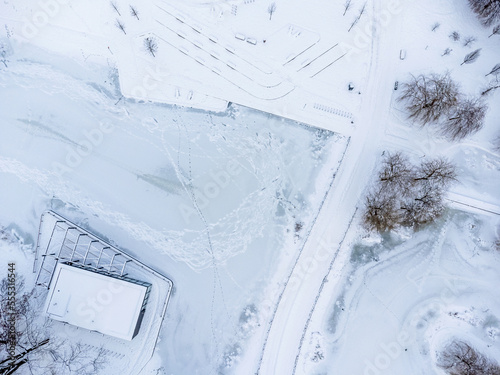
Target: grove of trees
436, 99
459, 358
406, 194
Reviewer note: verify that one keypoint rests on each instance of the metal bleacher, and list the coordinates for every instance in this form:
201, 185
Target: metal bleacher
74, 245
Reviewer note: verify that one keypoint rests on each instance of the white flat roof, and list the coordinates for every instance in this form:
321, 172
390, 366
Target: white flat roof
93, 301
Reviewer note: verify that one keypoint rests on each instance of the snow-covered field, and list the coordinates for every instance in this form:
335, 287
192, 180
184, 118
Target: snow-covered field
253, 215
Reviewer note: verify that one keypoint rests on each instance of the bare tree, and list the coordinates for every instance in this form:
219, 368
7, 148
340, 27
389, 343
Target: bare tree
381, 211
407, 195
34, 346
446, 52
427, 98
437, 172
465, 119
455, 36
471, 57
469, 40
488, 11
151, 45
347, 6
134, 12
396, 173
435, 26
115, 7
358, 17
271, 9
494, 71
491, 87
425, 206
496, 31
77, 359
120, 25
459, 358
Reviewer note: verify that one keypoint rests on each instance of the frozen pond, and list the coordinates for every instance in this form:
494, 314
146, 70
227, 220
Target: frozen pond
214, 201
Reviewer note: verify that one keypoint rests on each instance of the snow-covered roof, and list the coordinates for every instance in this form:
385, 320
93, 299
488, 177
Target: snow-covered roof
95, 301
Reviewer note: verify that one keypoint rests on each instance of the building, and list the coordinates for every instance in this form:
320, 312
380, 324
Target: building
97, 300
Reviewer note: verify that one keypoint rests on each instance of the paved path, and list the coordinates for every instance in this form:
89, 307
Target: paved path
286, 334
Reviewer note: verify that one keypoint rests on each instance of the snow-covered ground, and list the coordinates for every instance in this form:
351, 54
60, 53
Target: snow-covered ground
441, 287
400, 299
255, 217
209, 199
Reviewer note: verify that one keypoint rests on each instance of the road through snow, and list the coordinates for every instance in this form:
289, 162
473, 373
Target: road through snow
321, 252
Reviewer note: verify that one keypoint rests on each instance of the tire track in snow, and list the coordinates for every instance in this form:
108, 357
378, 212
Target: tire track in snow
289, 276
348, 190
325, 280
